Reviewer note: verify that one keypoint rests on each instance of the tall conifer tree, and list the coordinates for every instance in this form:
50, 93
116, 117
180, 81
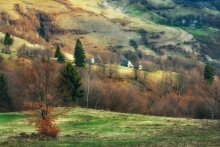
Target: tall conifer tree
60, 57
70, 84
79, 54
209, 73
8, 40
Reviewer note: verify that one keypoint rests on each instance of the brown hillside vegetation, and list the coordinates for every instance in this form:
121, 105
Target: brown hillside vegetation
171, 82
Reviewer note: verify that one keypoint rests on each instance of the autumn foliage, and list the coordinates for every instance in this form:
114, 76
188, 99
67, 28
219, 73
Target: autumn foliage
46, 127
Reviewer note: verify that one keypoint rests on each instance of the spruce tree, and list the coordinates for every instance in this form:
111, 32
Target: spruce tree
8, 40
70, 84
209, 73
57, 53
5, 99
79, 54
60, 57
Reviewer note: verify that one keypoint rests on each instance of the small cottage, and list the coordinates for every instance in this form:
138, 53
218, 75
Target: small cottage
127, 63
90, 60
140, 67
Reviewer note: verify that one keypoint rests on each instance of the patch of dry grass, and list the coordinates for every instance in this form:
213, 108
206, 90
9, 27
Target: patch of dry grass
18, 42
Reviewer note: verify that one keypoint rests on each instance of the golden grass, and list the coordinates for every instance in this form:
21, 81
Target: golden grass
43, 5
84, 15
18, 42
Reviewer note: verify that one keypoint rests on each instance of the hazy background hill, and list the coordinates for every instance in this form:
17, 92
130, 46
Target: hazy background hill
200, 18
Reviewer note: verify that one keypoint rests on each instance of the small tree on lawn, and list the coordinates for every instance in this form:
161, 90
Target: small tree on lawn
8, 41
60, 57
5, 99
70, 84
79, 54
209, 73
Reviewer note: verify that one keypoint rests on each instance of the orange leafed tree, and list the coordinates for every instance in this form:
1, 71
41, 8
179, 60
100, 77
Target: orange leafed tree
38, 85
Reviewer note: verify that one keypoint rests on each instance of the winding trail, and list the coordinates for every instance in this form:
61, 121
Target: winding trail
172, 39
179, 36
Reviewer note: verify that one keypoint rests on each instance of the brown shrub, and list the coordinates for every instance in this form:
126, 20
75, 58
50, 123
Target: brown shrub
46, 127
166, 106
110, 94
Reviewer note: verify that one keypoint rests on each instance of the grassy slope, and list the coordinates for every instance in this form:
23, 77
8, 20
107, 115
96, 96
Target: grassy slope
97, 22
200, 34
18, 42
85, 127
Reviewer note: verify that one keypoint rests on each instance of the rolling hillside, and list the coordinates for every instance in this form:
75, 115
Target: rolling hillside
85, 127
195, 17
89, 21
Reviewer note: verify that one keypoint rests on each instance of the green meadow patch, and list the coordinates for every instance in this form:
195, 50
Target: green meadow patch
86, 127
141, 12
135, 10
200, 32
9, 117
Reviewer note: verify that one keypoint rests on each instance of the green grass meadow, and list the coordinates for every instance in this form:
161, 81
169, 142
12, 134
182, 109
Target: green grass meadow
86, 127
200, 32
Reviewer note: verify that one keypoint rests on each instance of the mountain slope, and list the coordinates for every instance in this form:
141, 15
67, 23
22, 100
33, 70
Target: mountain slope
195, 17
89, 21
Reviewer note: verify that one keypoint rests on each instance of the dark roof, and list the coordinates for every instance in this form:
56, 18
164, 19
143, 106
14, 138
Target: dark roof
124, 62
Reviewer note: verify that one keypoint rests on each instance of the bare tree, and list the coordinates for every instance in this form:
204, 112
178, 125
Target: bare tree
88, 84
36, 86
213, 100
112, 70
181, 84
